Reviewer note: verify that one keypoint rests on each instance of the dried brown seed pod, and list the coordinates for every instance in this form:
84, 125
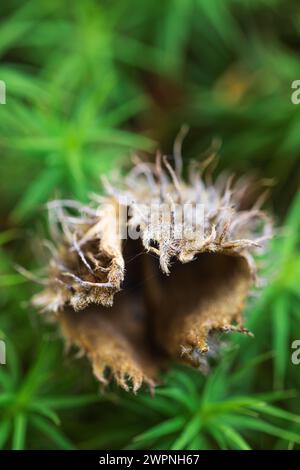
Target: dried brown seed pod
167, 307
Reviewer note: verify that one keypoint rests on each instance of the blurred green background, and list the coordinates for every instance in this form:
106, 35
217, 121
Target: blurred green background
87, 83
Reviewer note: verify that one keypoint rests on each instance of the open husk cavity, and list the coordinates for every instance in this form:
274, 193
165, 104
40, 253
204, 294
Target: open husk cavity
155, 268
